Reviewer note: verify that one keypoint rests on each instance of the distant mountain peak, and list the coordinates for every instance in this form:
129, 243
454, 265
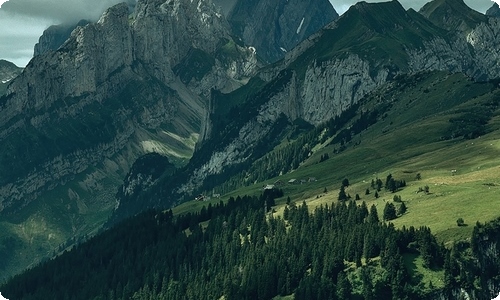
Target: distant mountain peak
54, 36
275, 27
8, 71
452, 14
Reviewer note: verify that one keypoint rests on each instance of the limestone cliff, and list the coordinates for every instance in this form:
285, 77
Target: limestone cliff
75, 120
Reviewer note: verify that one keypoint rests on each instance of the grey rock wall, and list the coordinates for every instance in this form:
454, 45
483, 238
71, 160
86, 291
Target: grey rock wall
96, 63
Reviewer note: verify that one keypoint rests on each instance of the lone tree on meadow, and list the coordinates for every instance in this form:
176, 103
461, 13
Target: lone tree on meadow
342, 194
389, 212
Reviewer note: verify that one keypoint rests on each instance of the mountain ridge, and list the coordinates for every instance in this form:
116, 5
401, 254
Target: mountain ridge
129, 85
124, 86
320, 79
76, 119
274, 28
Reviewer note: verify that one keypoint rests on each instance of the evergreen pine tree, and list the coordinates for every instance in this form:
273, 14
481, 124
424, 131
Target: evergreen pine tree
344, 287
373, 217
342, 194
389, 211
402, 209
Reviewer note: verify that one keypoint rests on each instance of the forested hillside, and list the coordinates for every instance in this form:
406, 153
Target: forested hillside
239, 250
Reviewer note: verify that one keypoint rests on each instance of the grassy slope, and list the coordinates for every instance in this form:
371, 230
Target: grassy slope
409, 141
406, 142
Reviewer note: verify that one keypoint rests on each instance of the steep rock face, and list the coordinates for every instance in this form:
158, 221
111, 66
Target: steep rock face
75, 120
54, 36
275, 27
124, 67
325, 91
346, 80
474, 52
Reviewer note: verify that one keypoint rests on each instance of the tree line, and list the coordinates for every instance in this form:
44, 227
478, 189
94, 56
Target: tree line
239, 250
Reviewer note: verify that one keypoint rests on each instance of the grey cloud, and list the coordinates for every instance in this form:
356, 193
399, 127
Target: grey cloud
18, 35
59, 11
23, 21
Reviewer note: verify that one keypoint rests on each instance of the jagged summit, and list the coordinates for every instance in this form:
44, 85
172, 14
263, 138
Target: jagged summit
379, 32
54, 36
452, 14
275, 27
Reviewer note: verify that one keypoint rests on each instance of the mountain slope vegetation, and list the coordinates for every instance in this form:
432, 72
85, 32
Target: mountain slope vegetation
375, 141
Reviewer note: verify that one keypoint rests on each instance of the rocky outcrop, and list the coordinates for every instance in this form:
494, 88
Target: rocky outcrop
8, 71
225, 5
275, 27
474, 53
143, 174
54, 36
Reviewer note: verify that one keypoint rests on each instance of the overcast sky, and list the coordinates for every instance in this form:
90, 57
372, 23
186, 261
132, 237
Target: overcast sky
23, 21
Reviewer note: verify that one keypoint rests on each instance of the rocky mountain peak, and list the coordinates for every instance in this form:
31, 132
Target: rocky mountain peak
379, 17
452, 15
275, 27
54, 36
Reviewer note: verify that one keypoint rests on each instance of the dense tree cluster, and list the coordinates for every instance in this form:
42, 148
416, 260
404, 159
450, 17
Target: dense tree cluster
337, 252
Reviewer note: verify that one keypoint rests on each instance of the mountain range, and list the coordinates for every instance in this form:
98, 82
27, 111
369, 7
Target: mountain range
8, 71
155, 104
